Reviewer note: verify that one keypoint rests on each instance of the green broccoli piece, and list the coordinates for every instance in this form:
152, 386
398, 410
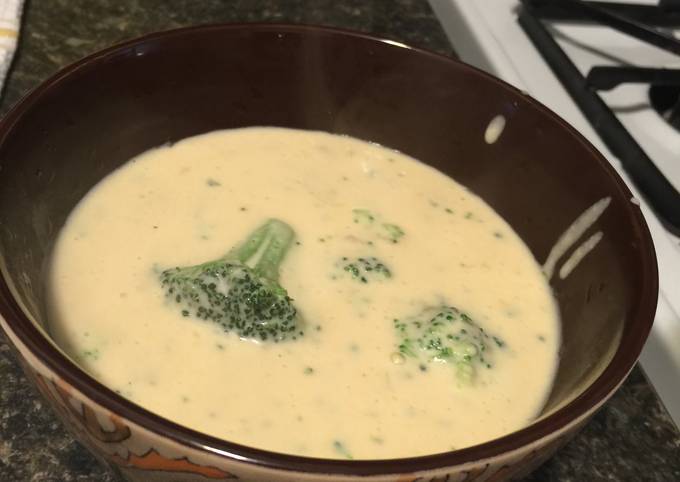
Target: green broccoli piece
240, 291
364, 269
387, 231
445, 334
391, 232
363, 216
342, 450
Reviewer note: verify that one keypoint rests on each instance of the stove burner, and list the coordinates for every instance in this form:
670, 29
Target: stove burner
642, 22
665, 100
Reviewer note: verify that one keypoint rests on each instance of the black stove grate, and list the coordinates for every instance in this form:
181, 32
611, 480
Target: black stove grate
640, 21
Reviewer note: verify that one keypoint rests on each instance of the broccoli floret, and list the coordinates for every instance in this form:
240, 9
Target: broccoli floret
445, 334
364, 269
387, 231
241, 291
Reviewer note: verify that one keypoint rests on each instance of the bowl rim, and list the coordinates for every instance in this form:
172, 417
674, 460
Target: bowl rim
595, 394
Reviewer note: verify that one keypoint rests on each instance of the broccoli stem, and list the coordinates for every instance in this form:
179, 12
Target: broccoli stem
265, 248
248, 248
279, 238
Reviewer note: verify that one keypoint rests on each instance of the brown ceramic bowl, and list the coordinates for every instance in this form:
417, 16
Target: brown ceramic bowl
540, 175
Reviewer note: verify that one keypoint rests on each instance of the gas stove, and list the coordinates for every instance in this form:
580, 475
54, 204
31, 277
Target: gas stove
632, 93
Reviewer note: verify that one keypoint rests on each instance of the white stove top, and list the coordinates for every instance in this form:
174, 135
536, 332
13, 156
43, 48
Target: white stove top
485, 33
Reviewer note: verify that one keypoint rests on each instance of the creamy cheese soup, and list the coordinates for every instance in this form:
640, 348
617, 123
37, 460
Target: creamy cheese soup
423, 322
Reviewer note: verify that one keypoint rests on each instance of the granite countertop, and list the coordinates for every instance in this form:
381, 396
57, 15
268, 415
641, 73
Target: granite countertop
632, 438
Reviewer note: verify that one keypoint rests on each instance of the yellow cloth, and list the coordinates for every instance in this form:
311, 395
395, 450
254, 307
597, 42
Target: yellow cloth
10, 18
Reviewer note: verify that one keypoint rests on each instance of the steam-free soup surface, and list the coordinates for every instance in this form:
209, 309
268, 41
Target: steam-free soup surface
344, 389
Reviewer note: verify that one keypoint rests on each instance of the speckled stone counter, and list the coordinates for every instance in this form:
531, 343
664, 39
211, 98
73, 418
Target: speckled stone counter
630, 439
